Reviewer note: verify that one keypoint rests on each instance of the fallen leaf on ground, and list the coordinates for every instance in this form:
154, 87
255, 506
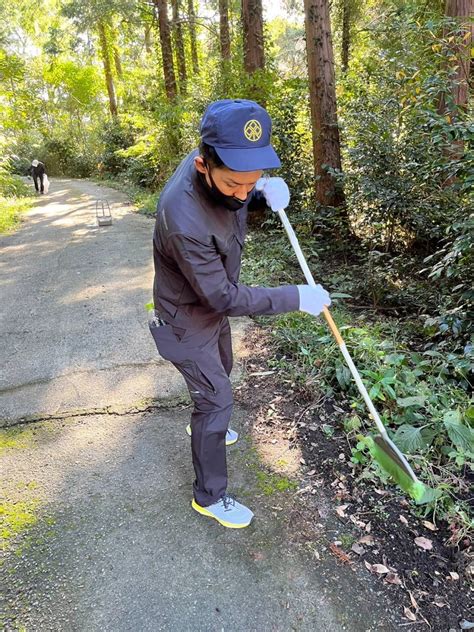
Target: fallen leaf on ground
366, 539
357, 522
339, 553
393, 578
409, 614
403, 519
454, 576
368, 566
381, 569
341, 510
357, 548
413, 600
424, 543
429, 525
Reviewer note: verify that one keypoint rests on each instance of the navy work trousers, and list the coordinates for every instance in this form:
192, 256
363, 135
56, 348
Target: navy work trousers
203, 356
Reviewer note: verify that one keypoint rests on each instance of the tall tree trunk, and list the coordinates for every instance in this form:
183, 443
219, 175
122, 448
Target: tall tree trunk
252, 22
148, 44
462, 11
179, 47
166, 49
192, 35
112, 38
326, 147
224, 31
459, 66
109, 79
118, 63
346, 35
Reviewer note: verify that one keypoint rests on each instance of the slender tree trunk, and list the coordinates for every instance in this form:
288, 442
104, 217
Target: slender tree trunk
459, 66
109, 79
346, 35
224, 31
179, 47
148, 44
118, 63
252, 22
326, 147
113, 39
166, 49
462, 11
192, 36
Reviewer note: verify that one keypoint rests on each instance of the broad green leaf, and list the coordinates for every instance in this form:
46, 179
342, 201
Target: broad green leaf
461, 436
470, 414
409, 439
394, 358
452, 416
415, 400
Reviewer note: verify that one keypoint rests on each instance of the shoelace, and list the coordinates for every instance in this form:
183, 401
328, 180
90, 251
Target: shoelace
228, 501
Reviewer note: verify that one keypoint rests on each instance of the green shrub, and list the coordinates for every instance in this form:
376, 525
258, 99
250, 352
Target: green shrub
13, 197
404, 182
422, 397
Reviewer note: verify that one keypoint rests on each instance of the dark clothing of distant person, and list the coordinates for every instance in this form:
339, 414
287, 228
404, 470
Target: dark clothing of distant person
37, 172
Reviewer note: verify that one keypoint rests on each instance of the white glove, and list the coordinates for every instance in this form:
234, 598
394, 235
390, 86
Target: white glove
313, 299
275, 191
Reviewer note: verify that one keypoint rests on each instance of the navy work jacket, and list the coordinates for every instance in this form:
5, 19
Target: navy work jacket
197, 250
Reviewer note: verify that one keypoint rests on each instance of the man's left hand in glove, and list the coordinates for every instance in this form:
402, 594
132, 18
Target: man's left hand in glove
275, 192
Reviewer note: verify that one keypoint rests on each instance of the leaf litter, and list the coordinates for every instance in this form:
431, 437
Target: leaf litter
382, 521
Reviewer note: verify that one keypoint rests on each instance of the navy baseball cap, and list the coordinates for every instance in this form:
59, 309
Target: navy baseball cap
240, 131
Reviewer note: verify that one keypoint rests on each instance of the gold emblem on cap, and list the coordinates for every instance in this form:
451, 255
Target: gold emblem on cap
253, 130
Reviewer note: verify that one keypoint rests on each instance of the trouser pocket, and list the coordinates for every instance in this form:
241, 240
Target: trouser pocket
197, 381
168, 345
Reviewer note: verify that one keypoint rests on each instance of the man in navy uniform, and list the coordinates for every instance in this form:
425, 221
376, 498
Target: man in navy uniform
197, 248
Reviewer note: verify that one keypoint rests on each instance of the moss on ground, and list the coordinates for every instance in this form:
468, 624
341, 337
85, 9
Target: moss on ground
16, 517
16, 438
270, 484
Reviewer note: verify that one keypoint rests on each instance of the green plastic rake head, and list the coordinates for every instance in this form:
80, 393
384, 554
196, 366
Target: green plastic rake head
389, 460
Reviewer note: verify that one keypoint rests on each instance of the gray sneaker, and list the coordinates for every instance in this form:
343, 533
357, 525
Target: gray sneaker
227, 511
230, 438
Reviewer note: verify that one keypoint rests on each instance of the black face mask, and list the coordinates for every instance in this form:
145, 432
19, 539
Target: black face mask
229, 201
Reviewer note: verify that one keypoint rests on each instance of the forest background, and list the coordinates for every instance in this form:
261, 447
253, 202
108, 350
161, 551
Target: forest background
372, 121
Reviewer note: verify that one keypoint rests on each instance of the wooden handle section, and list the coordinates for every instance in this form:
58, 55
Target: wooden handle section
333, 327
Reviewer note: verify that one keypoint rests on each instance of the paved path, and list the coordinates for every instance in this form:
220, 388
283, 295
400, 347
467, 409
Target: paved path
116, 546
73, 326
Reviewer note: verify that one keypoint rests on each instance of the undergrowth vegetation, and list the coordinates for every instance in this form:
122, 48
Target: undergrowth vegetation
417, 370
14, 198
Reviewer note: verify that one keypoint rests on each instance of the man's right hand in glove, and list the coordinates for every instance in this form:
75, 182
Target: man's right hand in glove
313, 299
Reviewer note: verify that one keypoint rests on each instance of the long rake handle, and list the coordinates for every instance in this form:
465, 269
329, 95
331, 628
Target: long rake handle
332, 325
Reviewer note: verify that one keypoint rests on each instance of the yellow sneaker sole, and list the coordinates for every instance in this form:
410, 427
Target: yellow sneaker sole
227, 442
204, 512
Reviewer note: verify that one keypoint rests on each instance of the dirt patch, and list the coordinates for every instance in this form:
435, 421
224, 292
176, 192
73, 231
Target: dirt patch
367, 527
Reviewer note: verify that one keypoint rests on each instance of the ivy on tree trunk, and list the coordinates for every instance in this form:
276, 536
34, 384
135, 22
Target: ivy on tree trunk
106, 60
